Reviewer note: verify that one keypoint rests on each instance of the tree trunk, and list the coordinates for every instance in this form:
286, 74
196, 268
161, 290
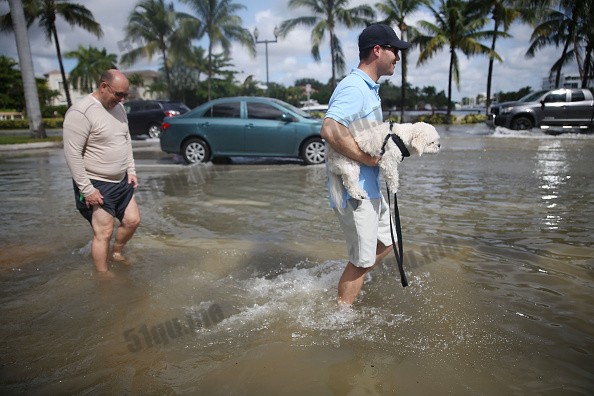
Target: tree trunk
449, 111
36, 127
490, 72
167, 72
333, 56
64, 80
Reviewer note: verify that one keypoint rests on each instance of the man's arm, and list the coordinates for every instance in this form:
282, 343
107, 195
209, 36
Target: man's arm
341, 140
76, 133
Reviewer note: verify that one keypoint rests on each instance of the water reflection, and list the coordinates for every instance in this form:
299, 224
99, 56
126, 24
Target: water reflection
552, 169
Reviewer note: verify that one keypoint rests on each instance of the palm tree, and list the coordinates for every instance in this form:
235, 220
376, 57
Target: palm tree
458, 27
47, 11
567, 24
158, 29
503, 13
30, 87
92, 62
218, 21
327, 15
398, 11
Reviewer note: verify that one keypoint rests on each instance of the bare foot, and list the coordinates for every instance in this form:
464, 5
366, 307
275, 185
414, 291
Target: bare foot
118, 257
105, 275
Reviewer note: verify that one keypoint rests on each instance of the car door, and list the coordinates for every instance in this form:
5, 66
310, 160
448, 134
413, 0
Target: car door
268, 130
133, 112
554, 108
223, 128
579, 110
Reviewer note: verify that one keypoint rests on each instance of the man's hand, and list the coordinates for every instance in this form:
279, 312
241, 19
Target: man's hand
94, 199
372, 161
339, 137
133, 179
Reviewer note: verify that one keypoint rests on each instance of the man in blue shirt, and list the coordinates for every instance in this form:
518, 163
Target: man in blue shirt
366, 223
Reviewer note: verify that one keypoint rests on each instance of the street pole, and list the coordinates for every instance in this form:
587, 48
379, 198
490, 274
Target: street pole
266, 42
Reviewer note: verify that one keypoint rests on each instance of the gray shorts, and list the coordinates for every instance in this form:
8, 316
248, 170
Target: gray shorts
365, 223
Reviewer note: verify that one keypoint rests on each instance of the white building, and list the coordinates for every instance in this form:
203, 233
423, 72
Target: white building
54, 82
565, 81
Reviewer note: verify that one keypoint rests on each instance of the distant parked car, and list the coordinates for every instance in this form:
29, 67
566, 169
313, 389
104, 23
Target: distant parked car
146, 116
244, 126
559, 108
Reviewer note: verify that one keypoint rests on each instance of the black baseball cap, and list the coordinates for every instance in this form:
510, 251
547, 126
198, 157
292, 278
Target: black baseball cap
380, 34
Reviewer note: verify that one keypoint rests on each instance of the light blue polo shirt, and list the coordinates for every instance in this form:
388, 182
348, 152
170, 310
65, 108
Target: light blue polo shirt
356, 97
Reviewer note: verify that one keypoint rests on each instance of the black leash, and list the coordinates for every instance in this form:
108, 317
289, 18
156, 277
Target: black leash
398, 253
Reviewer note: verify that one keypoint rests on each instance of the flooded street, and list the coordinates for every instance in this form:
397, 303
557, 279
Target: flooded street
231, 287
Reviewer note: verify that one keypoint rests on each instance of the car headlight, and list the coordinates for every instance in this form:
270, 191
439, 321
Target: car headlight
506, 110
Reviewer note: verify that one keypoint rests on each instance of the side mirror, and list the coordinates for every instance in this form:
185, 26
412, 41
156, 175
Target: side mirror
287, 118
542, 104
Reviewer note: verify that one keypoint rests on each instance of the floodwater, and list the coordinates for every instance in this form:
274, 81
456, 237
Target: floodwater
231, 284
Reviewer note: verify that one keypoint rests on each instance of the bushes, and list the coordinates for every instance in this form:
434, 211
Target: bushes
436, 118
53, 111
49, 123
473, 119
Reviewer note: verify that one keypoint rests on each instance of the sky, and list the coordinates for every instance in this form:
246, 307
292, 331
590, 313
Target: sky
290, 59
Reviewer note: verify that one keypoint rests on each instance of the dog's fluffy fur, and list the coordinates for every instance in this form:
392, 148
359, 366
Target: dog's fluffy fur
419, 138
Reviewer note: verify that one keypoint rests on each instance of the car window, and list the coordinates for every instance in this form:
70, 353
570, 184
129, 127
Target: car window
555, 97
224, 110
151, 106
263, 111
181, 107
132, 106
577, 96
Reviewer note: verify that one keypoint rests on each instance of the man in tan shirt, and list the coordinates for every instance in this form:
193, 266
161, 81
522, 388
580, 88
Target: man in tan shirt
98, 151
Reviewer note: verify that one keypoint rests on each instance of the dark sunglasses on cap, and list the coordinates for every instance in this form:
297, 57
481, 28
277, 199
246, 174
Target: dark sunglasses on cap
390, 48
118, 94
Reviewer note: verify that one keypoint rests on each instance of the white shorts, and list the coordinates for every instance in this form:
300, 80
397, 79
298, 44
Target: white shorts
365, 223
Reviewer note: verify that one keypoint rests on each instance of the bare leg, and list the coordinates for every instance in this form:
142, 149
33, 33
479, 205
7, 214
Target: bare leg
126, 230
351, 281
102, 223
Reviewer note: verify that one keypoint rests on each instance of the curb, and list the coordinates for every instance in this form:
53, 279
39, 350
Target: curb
29, 146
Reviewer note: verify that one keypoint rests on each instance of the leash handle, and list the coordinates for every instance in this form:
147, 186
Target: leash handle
398, 253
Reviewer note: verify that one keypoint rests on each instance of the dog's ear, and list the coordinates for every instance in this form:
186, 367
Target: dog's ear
419, 141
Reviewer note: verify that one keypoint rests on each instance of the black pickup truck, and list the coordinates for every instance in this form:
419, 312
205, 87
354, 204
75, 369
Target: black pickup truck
554, 110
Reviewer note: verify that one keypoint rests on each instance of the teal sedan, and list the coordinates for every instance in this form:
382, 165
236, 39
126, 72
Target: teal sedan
244, 126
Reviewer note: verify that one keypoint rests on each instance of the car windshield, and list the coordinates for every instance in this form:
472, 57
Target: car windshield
531, 97
292, 108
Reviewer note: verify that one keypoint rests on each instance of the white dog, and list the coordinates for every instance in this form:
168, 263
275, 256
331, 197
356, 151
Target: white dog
373, 137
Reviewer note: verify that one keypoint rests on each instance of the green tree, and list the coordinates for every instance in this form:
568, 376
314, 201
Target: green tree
327, 15
218, 22
567, 23
459, 28
398, 11
503, 13
12, 95
154, 27
47, 12
11, 85
92, 62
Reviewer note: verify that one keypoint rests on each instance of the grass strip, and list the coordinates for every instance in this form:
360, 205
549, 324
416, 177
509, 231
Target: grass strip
27, 139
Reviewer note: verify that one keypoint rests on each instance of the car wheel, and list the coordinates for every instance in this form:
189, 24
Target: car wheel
154, 131
313, 151
195, 151
522, 123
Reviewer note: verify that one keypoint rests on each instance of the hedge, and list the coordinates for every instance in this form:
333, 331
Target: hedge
49, 123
